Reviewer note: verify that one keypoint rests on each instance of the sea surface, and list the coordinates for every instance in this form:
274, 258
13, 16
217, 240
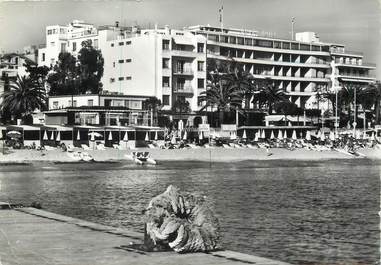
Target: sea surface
295, 211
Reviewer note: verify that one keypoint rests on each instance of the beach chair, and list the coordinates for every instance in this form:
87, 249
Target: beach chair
151, 146
49, 148
101, 147
252, 146
85, 147
227, 146
193, 146
232, 145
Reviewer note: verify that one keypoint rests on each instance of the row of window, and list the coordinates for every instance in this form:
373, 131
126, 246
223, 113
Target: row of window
121, 43
166, 82
267, 43
200, 46
180, 65
121, 78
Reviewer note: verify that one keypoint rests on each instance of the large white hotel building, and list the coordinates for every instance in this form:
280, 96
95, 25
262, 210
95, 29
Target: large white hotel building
170, 64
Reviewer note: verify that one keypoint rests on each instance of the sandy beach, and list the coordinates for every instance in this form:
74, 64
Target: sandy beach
216, 154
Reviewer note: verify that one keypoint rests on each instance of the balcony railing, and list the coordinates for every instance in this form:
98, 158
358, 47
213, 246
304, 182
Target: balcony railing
183, 71
346, 52
183, 89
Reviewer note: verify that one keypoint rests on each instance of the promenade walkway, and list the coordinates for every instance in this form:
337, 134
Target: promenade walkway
29, 236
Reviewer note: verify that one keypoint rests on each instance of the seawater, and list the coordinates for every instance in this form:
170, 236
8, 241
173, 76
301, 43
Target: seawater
296, 211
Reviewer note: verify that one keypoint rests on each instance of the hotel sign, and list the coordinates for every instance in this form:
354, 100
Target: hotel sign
228, 127
204, 127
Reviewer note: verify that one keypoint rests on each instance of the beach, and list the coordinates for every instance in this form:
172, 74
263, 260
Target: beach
216, 154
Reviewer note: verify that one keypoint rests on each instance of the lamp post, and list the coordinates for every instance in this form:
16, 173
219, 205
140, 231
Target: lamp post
355, 113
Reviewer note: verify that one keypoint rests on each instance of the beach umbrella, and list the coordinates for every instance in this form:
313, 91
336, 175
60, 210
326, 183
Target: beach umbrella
244, 134
147, 137
358, 134
95, 134
185, 136
364, 136
272, 136
256, 136
263, 136
322, 137
294, 135
45, 136
92, 137
125, 138
318, 134
332, 136
308, 136
58, 137
280, 136
285, 136
156, 136
200, 136
173, 141
233, 136
52, 136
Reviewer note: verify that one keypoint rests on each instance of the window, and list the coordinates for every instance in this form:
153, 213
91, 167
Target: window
74, 46
165, 100
74, 104
277, 44
63, 47
121, 43
128, 60
200, 83
49, 32
112, 80
62, 31
286, 45
112, 44
232, 40
165, 44
315, 48
165, 81
248, 42
55, 104
128, 42
304, 47
121, 61
90, 102
165, 63
225, 39
294, 46
213, 37
43, 57
200, 66
200, 47
265, 43
121, 78
128, 77
240, 40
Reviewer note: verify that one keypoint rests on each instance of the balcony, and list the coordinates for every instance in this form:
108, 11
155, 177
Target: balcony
184, 53
182, 72
183, 89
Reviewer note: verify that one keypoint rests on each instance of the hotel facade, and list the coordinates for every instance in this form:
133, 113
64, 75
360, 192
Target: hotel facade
171, 65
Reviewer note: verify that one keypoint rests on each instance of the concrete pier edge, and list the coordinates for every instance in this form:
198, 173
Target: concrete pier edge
12, 219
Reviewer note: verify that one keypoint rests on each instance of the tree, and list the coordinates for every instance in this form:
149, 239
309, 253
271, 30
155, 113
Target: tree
181, 106
223, 92
91, 68
269, 95
36, 73
285, 107
152, 104
23, 98
64, 80
369, 97
73, 77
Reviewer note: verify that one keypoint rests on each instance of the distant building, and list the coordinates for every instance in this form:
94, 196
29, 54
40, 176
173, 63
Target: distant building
171, 65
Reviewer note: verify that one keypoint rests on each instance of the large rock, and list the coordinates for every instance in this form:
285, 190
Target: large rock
182, 221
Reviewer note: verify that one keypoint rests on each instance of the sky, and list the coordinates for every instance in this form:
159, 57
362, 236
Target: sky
355, 23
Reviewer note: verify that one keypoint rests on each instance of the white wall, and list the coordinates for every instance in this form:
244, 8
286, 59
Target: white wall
65, 101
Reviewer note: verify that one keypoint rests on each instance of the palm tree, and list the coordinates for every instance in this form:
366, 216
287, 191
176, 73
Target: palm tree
224, 91
152, 104
23, 97
269, 95
369, 97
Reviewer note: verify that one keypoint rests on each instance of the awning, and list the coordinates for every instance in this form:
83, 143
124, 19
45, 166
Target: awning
274, 118
182, 40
